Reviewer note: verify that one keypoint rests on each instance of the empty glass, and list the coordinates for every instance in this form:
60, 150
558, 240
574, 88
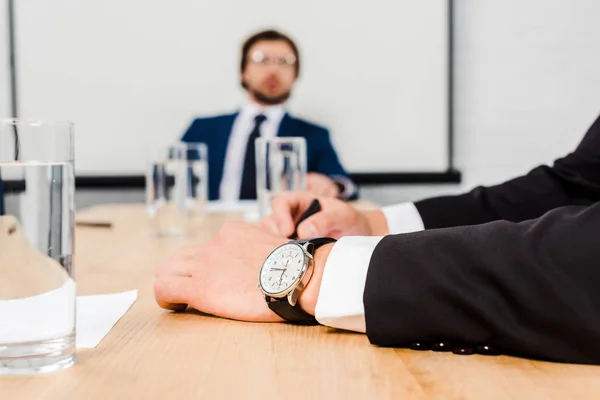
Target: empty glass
37, 287
177, 187
280, 168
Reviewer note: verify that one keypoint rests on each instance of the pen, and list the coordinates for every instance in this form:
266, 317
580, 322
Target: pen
93, 224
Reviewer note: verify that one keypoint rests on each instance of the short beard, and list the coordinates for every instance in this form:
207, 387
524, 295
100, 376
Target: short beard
261, 98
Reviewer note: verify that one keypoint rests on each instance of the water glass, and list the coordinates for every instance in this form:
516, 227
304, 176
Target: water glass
37, 286
280, 168
177, 188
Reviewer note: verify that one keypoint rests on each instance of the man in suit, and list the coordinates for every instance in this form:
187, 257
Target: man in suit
270, 65
514, 267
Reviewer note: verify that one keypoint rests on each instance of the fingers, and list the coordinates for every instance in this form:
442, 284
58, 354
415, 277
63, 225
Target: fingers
321, 191
174, 292
325, 222
331, 191
321, 185
284, 210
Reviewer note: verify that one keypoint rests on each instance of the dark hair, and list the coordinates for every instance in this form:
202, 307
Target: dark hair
267, 35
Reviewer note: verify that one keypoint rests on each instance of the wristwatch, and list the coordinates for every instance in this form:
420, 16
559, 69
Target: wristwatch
285, 273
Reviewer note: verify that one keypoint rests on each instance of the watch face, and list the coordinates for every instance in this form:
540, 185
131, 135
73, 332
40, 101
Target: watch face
282, 269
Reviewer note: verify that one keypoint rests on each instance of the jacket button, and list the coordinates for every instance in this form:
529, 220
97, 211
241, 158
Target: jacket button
441, 346
463, 350
486, 350
420, 346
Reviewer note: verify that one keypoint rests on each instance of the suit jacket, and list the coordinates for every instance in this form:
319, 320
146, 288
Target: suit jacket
215, 132
530, 289
527, 282
572, 180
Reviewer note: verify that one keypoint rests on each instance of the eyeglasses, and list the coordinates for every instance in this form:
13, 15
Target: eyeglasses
258, 57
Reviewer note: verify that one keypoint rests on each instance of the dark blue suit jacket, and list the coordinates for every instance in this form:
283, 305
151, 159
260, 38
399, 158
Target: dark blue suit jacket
215, 132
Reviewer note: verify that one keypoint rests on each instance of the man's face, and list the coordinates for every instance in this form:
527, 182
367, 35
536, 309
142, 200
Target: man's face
270, 71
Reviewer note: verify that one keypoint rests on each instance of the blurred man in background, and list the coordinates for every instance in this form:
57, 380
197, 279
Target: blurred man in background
270, 65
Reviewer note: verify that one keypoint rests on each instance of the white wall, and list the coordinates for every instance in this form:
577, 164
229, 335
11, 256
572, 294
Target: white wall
134, 73
527, 87
4, 62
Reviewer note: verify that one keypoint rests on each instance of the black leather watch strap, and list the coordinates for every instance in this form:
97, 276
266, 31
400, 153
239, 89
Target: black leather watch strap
314, 243
281, 306
290, 313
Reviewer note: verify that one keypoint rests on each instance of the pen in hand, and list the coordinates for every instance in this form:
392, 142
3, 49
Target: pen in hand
312, 209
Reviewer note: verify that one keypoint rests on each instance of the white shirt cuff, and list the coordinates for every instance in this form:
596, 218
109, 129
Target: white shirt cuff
349, 186
403, 218
340, 303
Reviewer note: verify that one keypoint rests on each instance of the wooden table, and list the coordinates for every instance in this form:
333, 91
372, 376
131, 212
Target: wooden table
155, 354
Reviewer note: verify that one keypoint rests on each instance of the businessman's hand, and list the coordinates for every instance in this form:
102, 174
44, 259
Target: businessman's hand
336, 218
321, 185
221, 276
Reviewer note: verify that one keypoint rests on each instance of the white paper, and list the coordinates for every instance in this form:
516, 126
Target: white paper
231, 206
45, 316
50, 315
96, 315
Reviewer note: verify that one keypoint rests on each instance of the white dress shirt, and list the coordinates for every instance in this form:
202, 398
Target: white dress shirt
243, 125
340, 303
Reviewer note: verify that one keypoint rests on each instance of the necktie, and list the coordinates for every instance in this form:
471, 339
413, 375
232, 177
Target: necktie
248, 186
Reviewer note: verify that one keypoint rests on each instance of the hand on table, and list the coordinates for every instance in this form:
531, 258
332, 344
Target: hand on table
336, 218
221, 276
321, 185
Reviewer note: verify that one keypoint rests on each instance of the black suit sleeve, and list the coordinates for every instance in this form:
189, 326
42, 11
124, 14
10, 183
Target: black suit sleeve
572, 180
531, 288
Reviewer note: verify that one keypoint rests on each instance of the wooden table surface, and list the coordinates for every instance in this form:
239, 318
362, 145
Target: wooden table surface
155, 354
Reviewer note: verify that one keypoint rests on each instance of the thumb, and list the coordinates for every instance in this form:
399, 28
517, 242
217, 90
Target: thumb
320, 224
173, 292
283, 210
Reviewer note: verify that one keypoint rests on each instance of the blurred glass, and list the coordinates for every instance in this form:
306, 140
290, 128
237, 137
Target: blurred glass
37, 287
177, 188
280, 168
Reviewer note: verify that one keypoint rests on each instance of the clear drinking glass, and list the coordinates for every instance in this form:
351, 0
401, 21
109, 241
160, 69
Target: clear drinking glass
280, 168
177, 187
37, 213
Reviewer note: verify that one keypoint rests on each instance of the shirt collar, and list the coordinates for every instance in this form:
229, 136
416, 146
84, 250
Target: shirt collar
273, 113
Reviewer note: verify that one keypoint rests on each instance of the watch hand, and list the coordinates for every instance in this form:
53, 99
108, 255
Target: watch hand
281, 276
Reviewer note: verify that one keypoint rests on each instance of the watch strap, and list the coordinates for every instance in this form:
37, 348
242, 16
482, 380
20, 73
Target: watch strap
290, 313
314, 243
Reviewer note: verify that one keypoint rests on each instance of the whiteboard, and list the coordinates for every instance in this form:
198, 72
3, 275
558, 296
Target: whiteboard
131, 73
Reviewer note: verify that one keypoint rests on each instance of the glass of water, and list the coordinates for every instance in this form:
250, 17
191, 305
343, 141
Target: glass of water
280, 168
37, 286
177, 188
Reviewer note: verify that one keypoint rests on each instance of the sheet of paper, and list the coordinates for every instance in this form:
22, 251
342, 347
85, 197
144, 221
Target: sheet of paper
44, 316
50, 315
231, 206
248, 207
96, 315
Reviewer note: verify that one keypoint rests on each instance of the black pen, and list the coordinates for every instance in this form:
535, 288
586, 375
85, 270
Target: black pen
312, 209
94, 224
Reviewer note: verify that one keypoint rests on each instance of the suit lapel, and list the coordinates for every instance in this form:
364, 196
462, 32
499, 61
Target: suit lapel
218, 153
288, 126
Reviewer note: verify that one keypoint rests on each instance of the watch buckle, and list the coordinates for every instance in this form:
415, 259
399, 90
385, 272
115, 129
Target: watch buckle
295, 293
